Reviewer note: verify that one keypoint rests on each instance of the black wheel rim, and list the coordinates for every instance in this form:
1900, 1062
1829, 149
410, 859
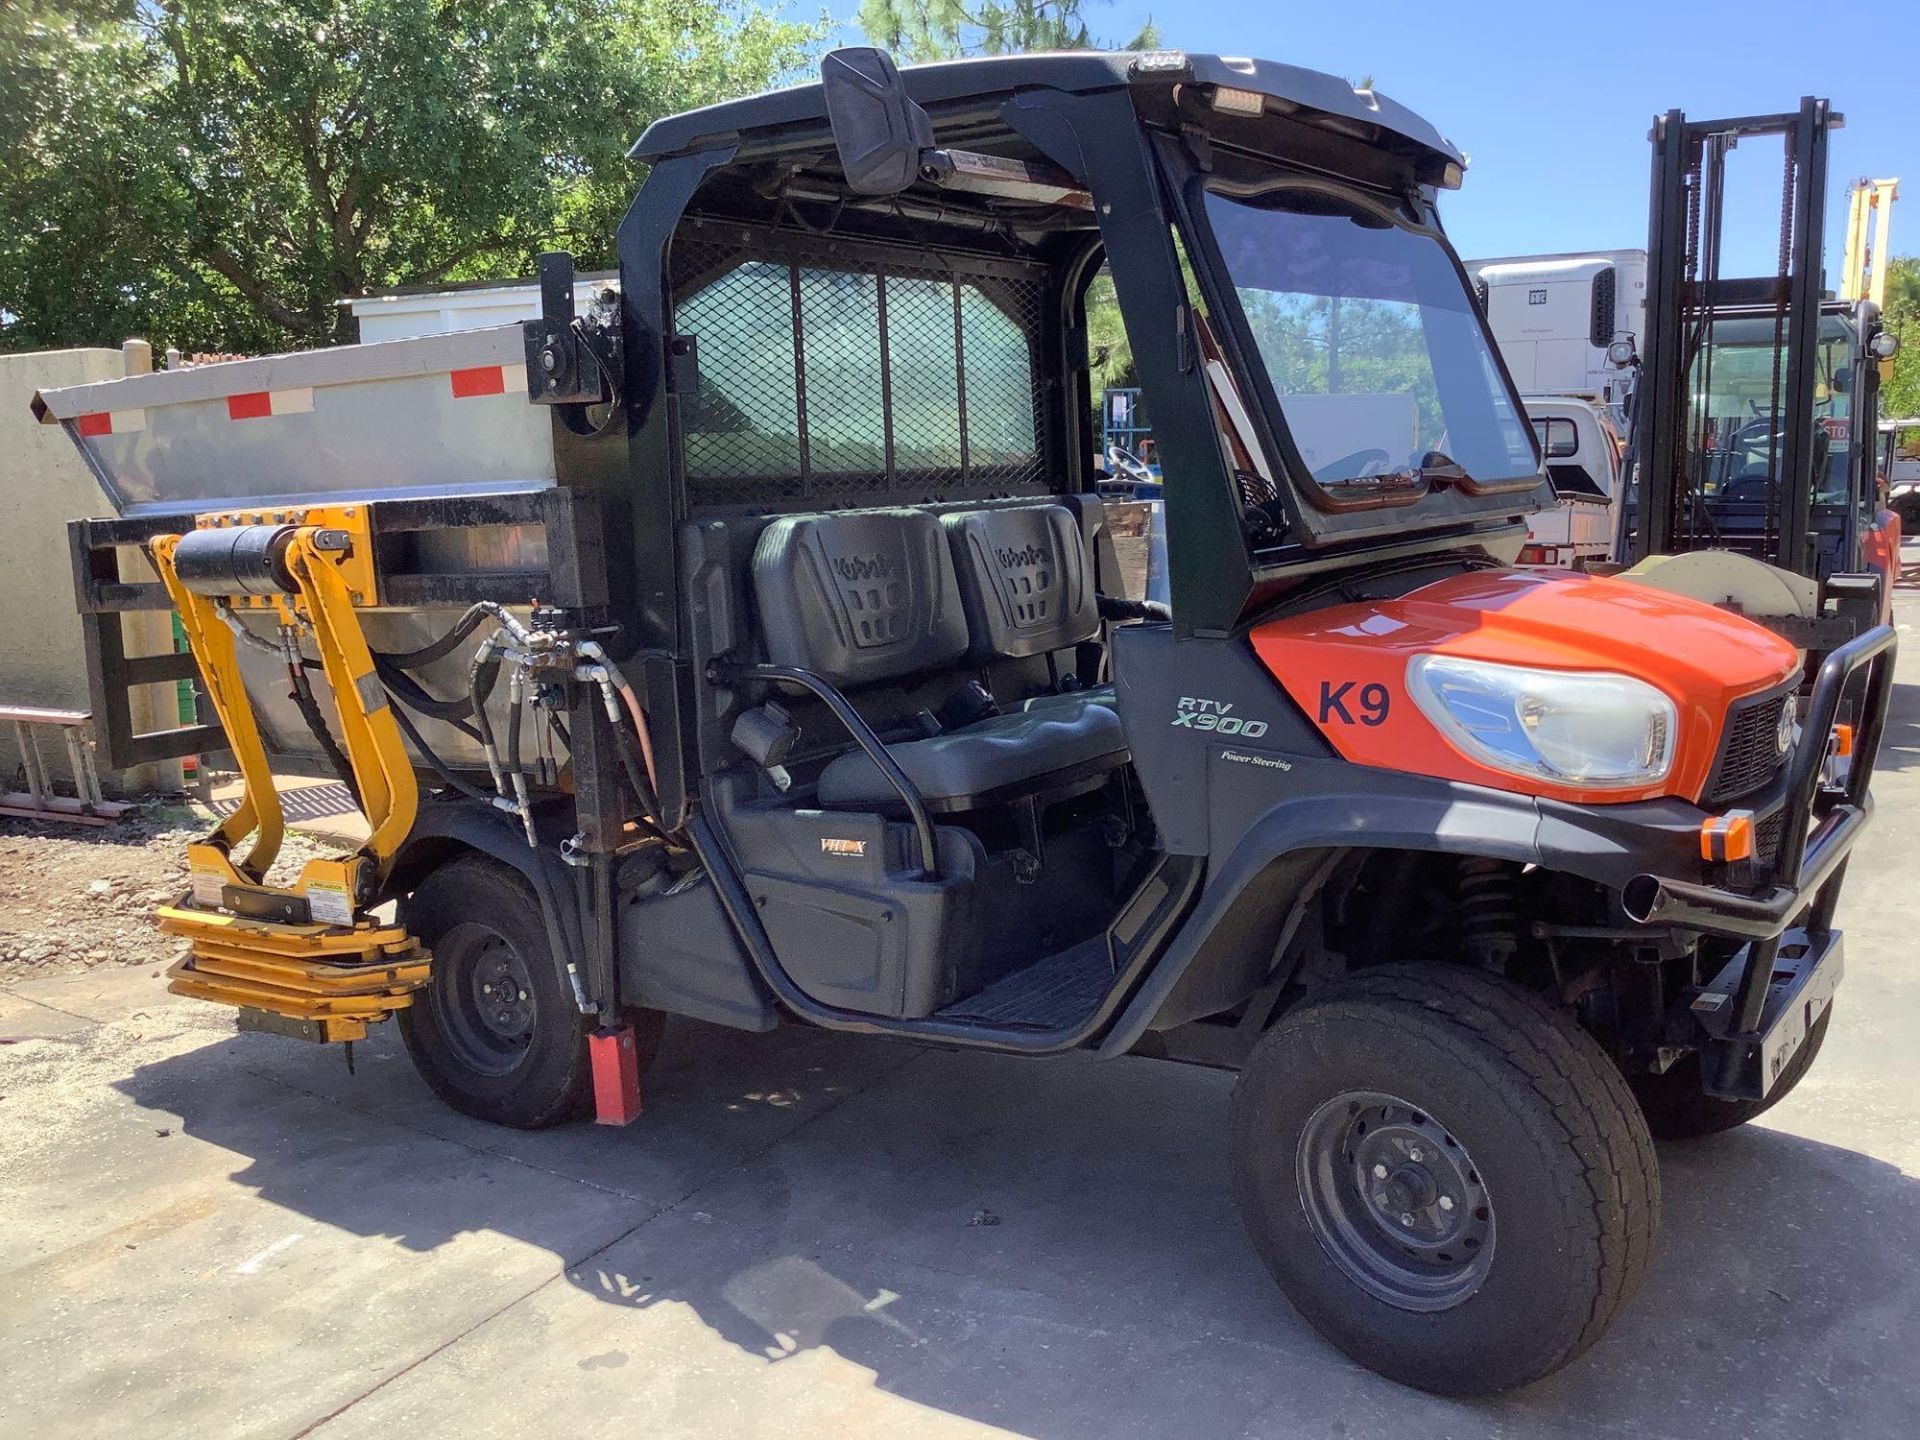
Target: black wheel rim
1395, 1201
485, 996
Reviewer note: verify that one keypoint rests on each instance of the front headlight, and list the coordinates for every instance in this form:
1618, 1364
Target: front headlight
1589, 729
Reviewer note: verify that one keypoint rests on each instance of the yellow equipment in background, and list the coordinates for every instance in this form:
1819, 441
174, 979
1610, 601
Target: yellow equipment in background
306, 959
1863, 271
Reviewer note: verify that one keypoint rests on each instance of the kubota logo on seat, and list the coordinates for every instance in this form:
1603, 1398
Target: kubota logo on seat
864, 567
1011, 559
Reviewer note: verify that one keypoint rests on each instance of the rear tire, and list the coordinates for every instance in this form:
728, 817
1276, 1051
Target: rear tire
1678, 1109
495, 1031
1462, 1088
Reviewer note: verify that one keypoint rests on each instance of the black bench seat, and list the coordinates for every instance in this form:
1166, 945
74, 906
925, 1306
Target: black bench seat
860, 598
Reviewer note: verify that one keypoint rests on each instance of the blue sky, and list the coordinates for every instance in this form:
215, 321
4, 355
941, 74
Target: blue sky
1552, 102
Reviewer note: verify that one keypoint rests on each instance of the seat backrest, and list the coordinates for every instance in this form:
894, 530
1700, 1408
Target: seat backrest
858, 596
1026, 579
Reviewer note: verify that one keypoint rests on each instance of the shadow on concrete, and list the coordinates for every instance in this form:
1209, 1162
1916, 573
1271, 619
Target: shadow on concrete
1052, 1249
1900, 746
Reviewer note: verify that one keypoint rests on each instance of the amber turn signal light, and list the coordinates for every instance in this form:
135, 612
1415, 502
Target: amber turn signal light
1727, 837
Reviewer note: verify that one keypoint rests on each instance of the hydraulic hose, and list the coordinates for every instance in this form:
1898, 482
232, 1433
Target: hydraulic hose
516, 705
640, 728
410, 692
564, 937
632, 759
630, 765
392, 665
437, 649
434, 762
301, 693
309, 708
649, 798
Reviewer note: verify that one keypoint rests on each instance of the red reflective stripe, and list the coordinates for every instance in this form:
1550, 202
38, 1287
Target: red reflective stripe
100, 424
482, 380
251, 406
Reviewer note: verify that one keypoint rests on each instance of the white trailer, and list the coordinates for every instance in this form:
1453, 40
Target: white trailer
1553, 317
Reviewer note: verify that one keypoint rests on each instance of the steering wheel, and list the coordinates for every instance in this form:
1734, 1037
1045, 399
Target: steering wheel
1356, 466
1126, 463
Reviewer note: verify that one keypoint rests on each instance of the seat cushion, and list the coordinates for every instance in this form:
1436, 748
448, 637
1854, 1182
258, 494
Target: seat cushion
998, 753
858, 597
1025, 579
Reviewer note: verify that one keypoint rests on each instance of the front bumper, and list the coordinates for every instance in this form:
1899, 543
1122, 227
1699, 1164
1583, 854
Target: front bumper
1800, 985
1756, 1013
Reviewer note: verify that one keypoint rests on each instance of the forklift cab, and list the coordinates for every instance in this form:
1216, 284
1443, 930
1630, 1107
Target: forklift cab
1739, 466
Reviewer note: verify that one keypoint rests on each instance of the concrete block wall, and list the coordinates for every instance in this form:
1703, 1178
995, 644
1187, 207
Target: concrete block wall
44, 484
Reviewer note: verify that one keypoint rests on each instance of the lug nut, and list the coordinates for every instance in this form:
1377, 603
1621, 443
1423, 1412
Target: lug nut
1415, 1155
1446, 1202
1406, 1219
1379, 1171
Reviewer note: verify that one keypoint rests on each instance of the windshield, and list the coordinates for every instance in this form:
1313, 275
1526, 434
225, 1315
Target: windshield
1372, 345
1739, 378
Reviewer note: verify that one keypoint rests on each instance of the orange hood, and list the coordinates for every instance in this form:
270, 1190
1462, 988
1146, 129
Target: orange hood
1346, 666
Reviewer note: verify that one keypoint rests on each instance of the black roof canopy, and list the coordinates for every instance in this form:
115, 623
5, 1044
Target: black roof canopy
1307, 95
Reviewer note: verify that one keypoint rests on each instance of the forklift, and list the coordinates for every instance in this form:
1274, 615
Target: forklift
747, 646
1752, 478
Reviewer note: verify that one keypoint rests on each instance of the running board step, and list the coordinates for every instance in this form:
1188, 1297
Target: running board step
1051, 994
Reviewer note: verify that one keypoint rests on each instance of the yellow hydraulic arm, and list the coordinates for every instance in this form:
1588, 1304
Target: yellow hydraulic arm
305, 958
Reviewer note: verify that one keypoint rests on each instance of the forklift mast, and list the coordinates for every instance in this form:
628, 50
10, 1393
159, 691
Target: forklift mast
1687, 293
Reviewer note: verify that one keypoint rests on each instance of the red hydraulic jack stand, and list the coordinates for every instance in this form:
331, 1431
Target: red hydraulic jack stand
616, 1076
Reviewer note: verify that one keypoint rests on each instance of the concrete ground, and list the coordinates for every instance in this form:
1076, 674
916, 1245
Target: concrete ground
214, 1234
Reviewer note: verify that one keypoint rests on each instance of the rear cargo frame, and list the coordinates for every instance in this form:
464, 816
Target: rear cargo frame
574, 577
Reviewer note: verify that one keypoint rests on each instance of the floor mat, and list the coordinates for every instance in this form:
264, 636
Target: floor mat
1054, 994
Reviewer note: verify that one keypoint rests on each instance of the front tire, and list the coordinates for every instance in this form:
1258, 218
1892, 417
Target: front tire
1449, 1178
495, 1032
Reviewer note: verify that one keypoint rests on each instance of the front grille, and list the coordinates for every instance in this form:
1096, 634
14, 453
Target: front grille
1750, 754
1766, 840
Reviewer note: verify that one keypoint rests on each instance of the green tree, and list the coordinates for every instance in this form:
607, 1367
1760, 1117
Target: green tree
1900, 398
921, 30
218, 175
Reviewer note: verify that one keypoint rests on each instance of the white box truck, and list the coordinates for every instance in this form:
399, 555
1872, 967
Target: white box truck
1553, 317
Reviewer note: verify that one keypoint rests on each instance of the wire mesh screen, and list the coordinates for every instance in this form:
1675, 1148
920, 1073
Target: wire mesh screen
846, 378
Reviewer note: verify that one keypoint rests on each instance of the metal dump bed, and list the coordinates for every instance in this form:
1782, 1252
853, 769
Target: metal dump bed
433, 415
434, 435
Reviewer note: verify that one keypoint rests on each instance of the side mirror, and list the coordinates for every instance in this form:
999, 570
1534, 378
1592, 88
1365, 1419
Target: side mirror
1884, 346
1621, 353
877, 130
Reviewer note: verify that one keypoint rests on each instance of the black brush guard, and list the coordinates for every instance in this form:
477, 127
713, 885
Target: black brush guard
1757, 1012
